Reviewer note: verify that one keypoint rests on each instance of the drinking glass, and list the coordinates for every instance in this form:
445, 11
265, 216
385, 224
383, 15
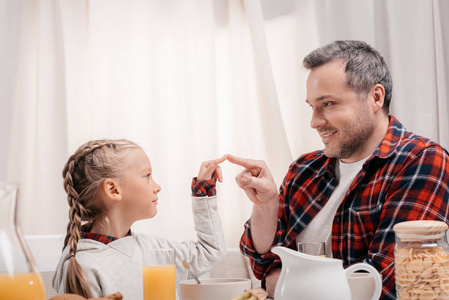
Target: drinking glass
159, 274
312, 248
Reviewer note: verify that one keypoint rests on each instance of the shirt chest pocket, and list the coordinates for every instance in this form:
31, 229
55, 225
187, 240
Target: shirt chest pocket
363, 224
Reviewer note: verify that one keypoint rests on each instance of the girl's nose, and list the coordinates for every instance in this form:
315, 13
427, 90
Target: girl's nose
157, 188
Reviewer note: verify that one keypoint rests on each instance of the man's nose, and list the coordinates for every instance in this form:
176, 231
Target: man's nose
317, 120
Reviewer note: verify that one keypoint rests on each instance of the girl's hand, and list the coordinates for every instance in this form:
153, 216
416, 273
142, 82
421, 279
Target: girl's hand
211, 170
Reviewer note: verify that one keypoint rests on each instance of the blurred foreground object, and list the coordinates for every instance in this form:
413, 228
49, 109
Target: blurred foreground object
115, 296
19, 277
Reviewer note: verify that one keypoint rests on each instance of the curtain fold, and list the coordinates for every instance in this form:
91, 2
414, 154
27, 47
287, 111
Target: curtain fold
37, 143
276, 143
441, 40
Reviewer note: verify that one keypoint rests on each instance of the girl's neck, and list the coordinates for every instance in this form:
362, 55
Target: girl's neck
110, 229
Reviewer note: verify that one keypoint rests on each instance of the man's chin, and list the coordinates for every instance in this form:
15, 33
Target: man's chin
331, 154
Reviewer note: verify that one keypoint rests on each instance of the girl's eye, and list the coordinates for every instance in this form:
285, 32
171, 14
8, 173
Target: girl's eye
148, 176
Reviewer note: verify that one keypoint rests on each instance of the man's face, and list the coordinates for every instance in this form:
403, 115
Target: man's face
344, 121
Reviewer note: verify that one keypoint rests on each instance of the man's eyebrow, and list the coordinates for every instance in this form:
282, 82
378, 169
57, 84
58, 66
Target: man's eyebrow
321, 98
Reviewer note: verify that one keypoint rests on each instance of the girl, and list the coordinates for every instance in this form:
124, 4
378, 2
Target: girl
109, 186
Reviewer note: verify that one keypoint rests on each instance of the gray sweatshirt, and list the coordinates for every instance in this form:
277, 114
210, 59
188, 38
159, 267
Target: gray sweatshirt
117, 266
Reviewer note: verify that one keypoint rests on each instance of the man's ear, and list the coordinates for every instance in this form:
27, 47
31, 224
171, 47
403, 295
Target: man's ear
112, 190
378, 96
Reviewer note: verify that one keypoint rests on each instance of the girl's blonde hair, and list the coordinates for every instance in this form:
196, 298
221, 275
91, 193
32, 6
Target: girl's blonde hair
83, 174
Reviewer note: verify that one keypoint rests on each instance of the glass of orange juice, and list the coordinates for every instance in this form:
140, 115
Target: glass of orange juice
312, 248
159, 274
21, 286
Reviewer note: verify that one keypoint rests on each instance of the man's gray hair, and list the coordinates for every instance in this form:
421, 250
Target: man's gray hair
365, 67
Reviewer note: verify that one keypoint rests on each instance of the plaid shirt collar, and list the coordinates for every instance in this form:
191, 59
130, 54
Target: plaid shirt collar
394, 136
105, 239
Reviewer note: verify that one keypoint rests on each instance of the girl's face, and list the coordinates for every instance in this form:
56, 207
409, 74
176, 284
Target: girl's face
139, 190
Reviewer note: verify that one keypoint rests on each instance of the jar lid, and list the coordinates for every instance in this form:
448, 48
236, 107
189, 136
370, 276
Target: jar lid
422, 230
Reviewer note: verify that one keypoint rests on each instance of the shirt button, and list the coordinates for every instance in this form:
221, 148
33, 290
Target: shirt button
295, 229
319, 199
337, 219
198, 192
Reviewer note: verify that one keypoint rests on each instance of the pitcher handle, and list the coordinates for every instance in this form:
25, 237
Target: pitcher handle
373, 271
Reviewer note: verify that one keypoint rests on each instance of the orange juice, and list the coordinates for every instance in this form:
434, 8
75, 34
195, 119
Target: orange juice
159, 282
20, 286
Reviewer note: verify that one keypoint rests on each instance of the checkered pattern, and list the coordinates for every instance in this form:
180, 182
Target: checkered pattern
105, 239
405, 179
203, 188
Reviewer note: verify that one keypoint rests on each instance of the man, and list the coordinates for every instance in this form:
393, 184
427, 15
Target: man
371, 174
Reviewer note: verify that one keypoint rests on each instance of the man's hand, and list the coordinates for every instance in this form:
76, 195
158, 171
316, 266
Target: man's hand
211, 170
259, 186
271, 280
255, 180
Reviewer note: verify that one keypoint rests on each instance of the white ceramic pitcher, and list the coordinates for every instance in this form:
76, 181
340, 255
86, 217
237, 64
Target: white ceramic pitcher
305, 277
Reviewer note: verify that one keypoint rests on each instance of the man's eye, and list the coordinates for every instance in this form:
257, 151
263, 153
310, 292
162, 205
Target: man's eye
325, 104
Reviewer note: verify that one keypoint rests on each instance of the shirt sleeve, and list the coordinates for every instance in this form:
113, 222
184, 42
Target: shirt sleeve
203, 188
418, 192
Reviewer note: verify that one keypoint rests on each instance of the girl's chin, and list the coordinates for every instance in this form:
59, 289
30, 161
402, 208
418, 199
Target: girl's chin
149, 215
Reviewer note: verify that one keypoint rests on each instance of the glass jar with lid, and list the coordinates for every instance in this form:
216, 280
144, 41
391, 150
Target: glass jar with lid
421, 258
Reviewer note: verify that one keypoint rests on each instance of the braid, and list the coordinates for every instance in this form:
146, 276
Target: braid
77, 211
83, 173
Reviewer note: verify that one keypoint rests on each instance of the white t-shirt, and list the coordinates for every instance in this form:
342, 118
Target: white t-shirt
320, 228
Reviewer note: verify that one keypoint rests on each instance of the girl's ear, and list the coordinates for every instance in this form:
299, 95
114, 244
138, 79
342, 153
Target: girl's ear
112, 190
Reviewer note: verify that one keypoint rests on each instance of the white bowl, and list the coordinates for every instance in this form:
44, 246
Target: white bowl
214, 288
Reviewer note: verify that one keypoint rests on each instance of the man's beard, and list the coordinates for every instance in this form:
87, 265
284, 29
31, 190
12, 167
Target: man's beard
357, 133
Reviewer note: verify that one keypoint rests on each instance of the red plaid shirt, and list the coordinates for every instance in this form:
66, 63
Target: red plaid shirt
406, 178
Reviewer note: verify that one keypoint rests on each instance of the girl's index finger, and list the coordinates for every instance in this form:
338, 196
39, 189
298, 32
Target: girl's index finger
221, 159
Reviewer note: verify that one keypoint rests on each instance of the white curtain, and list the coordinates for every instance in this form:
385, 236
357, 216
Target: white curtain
190, 81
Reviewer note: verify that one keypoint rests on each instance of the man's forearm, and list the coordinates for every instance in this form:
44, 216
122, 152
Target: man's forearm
264, 225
